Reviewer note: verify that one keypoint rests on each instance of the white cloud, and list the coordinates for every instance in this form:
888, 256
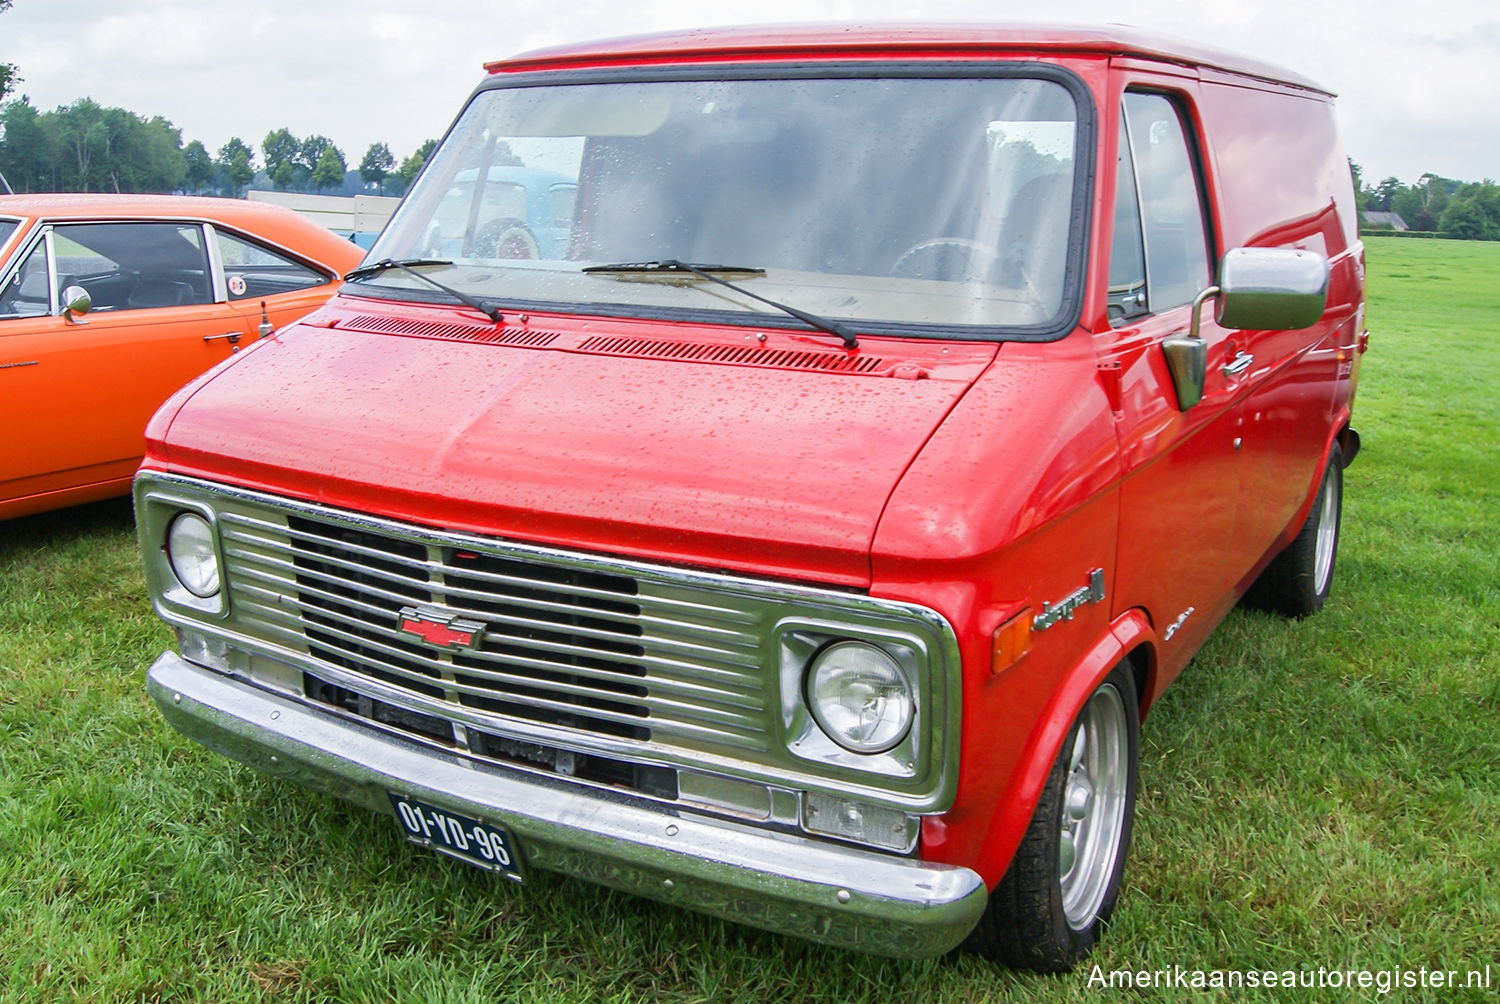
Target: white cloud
1410, 100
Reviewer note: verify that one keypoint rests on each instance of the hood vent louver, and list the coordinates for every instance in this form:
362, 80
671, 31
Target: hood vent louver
486, 333
735, 355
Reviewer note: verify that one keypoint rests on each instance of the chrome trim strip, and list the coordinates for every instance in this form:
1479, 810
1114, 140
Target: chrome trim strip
866, 900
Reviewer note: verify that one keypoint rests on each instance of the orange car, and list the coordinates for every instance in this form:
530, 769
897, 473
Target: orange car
109, 303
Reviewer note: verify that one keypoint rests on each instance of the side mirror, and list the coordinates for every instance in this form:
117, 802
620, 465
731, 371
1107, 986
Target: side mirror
1259, 288
75, 303
1271, 289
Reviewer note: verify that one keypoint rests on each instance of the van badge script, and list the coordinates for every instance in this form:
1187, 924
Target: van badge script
1063, 609
440, 628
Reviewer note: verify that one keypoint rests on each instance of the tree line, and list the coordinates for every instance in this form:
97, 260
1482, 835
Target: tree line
85, 147
1467, 210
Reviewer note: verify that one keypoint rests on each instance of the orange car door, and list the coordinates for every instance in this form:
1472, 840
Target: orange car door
75, 393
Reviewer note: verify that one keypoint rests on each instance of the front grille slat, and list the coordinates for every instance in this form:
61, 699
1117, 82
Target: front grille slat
478, 663
277, 590
565, 647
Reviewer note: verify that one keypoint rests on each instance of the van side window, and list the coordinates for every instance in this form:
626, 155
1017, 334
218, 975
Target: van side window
1167, 205
1127, 258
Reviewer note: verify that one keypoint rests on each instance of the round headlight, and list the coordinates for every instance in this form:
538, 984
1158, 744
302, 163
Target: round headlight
190, 549
860, 696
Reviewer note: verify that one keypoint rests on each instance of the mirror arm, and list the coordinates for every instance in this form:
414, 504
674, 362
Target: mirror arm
1195, 326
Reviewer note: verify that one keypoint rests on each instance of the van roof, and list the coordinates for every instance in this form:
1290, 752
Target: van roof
893, 40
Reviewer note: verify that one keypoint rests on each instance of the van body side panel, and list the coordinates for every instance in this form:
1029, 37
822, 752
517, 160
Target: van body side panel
1282, 180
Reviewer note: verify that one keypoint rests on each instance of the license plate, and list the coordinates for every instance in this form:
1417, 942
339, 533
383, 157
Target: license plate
458, 836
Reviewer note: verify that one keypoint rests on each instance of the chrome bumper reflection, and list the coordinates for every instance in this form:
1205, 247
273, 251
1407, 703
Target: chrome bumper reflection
835, 895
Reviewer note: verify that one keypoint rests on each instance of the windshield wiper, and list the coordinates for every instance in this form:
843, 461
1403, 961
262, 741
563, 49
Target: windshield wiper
407, 265
703, 271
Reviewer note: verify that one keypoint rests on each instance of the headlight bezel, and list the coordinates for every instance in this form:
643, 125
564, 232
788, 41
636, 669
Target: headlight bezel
801, 642
156, 514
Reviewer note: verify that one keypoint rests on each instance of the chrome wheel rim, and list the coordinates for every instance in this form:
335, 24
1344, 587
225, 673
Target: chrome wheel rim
1328, 532
1093, 811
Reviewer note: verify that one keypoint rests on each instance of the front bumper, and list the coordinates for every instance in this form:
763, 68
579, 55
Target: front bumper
828, 893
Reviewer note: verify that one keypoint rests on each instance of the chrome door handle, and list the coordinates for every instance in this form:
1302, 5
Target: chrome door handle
1239, 364
233, 337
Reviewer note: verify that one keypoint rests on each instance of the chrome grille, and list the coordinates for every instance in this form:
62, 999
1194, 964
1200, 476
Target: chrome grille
616, 672
566, 648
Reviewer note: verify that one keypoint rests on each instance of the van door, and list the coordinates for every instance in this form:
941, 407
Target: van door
1181, 468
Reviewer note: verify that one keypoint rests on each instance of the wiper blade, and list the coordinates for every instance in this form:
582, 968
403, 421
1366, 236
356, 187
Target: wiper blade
409, 266
705, 271
385, 264
673, 265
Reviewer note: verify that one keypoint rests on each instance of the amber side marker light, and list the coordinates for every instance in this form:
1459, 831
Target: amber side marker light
1010, 642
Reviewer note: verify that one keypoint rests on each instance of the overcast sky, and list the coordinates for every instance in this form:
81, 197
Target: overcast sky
1416, 82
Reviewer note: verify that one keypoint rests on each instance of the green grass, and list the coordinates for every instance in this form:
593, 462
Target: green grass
1323, 793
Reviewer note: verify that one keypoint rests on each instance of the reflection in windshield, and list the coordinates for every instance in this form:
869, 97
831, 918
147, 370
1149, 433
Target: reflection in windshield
907, 200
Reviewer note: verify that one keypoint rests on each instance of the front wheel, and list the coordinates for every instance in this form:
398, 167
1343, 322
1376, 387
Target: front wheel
1049, 908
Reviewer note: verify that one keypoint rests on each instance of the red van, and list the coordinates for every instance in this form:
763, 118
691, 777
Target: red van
801, 528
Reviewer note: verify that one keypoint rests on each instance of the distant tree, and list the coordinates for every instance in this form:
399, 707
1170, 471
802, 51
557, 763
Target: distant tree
1464, 219
377, 165
281, 150
143, 155
8, 78
1385, 192
310, 151
198, 166
26, 156
80, 137
235, 162
412, 166
330, 169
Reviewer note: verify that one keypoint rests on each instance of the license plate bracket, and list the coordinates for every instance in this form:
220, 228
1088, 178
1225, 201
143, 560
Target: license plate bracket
470, 840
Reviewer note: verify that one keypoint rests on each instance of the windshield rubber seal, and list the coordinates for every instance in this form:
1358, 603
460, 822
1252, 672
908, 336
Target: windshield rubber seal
1080, 217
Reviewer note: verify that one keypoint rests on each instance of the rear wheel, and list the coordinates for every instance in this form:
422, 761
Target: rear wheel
1299, 579
1049, 908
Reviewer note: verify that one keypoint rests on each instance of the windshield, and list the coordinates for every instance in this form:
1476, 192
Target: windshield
900, 200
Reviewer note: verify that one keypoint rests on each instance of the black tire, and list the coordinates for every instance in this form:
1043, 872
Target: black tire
1299, 579
1045, 916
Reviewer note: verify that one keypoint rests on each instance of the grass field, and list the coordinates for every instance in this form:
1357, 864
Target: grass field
1314, 794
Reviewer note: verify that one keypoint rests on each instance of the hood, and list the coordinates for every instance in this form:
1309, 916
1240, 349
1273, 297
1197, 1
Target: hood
614, 437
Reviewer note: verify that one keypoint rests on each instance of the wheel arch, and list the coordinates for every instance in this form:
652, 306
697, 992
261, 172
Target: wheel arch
1129, 638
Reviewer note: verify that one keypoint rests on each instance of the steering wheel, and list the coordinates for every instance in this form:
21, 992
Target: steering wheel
507, 237
947, 259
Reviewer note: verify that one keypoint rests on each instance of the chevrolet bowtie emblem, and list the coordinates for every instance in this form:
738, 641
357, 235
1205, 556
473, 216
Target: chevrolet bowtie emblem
439, 627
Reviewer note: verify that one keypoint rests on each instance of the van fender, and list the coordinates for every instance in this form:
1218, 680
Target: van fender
1129, 631
1347, 440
